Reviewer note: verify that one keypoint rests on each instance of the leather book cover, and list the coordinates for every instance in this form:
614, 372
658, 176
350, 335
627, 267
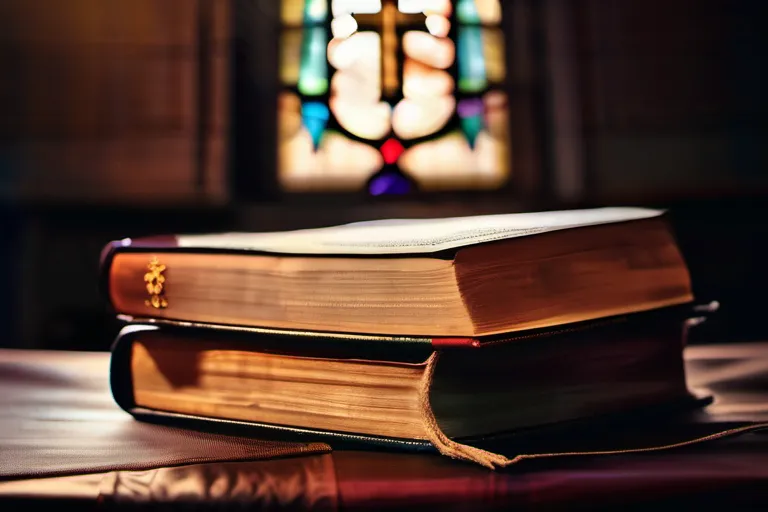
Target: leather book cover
544, 438
136, 278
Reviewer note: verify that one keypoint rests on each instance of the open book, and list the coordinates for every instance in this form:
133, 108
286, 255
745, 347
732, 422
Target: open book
471, 276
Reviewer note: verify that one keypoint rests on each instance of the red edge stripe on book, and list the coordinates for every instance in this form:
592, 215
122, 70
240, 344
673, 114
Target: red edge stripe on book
455, 342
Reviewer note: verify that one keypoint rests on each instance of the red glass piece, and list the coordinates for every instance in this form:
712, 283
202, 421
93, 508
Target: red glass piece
391, 150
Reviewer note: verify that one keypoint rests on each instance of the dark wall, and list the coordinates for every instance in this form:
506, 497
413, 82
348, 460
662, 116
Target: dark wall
673, 112
665, 99
9, 274
724, 243
673, 97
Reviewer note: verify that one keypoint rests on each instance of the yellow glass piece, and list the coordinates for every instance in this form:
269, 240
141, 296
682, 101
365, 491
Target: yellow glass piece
497, 122
489, 11
289, 108
292, 12
290, 56
390, 78
493, 48
496, 115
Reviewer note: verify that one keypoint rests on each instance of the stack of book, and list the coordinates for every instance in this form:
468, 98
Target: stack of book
425, 334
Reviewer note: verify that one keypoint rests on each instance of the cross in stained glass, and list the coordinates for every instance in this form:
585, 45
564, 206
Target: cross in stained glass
386, 22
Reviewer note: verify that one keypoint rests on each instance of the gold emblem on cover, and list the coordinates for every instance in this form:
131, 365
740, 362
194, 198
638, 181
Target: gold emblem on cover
155, 284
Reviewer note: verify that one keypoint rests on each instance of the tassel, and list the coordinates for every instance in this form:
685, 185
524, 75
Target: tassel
443, 443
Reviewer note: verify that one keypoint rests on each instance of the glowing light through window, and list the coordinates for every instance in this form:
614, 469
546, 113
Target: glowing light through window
343, 26
437, 25
344, 7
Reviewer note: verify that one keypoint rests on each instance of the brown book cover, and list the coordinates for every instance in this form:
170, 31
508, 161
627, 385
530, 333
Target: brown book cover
462, 277
554, 380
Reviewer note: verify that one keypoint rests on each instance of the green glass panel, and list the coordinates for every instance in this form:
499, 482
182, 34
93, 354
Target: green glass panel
471, 114
472, 126
471, 59
466, 12
315, 11
313, 71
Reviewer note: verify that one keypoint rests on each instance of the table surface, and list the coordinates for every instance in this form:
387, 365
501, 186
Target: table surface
48, 392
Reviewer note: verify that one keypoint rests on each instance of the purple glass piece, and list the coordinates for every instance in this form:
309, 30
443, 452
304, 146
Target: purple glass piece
389, 183
470, 107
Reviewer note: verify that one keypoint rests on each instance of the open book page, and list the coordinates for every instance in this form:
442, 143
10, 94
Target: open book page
413, 236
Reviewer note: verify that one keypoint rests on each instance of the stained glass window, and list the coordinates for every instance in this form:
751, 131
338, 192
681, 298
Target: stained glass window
392, 96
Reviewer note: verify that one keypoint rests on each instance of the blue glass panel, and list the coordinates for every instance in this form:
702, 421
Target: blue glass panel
314, 116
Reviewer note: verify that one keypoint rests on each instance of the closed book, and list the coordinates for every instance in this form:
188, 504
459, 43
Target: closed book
449, 394
457, 277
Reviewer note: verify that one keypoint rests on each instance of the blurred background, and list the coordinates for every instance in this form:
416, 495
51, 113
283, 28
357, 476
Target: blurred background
136, 117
